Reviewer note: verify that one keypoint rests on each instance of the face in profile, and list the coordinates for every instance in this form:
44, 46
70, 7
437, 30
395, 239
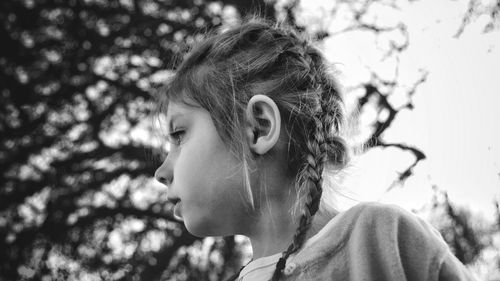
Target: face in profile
202, 173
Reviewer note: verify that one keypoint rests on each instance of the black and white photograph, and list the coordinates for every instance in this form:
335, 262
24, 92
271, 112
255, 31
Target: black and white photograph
249, 140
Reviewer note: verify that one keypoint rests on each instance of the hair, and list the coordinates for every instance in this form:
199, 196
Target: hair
226, 69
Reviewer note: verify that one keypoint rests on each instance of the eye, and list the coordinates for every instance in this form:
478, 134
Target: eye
176, 137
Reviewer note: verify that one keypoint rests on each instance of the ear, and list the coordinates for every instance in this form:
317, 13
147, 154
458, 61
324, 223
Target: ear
264, 124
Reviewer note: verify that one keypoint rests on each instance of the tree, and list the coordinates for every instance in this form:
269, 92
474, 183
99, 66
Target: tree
77, 82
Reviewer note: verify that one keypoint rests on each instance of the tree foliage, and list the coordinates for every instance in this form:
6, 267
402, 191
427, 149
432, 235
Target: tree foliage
76, 96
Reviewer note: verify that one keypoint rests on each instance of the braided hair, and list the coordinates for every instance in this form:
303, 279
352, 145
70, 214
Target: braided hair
223, 72
323, 147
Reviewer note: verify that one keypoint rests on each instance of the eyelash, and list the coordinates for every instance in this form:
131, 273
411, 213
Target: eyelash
176, 137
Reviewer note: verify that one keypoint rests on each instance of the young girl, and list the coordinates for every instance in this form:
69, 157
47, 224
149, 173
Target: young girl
255, 122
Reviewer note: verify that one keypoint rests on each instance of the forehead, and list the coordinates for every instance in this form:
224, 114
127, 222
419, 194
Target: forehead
175, 108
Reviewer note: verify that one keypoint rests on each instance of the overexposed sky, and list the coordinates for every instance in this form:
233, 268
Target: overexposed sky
456, 110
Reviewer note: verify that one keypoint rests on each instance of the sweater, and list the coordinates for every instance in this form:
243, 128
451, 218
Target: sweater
370, 241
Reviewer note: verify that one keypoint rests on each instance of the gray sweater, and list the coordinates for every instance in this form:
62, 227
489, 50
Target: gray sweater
368, 242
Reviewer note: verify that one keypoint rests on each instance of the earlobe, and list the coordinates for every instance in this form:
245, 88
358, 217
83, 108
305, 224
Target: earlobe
264, 124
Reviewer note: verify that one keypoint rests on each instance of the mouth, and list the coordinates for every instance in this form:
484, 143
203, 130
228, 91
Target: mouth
177, 210
173, 200
176, 207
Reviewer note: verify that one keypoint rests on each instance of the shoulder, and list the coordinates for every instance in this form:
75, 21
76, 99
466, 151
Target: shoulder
373, 215
376, 223
378, 211
379, 226
374, 241
387, 221
387, 237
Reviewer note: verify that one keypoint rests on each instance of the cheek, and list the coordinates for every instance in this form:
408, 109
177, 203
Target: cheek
215, 205
211, 176
189, 168
199, 166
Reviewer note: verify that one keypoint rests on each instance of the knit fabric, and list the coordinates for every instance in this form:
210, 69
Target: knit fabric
368, 242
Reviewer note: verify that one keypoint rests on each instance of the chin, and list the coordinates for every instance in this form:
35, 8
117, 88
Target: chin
203, 228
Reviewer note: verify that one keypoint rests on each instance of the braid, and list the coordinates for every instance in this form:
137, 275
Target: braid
310, 180
322, 146
332, 109
310, 176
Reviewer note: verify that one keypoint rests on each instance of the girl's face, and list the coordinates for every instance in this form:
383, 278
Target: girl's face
201, 172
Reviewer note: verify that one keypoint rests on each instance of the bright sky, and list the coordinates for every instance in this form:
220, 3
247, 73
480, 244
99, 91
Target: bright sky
456, 109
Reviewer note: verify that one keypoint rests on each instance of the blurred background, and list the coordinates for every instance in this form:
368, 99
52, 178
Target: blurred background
78, 148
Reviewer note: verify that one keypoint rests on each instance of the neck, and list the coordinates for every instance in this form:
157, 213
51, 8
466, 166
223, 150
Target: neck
271, 227
273, 232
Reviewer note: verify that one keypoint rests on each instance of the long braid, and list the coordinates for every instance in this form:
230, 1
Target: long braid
309, 179
322, 146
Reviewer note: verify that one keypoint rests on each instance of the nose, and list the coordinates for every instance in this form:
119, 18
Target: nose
164, 173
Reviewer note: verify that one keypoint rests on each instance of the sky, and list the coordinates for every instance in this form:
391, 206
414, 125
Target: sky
456, 108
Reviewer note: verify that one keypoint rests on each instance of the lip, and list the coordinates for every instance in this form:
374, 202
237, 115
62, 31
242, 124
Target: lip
173, 200
177, 210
